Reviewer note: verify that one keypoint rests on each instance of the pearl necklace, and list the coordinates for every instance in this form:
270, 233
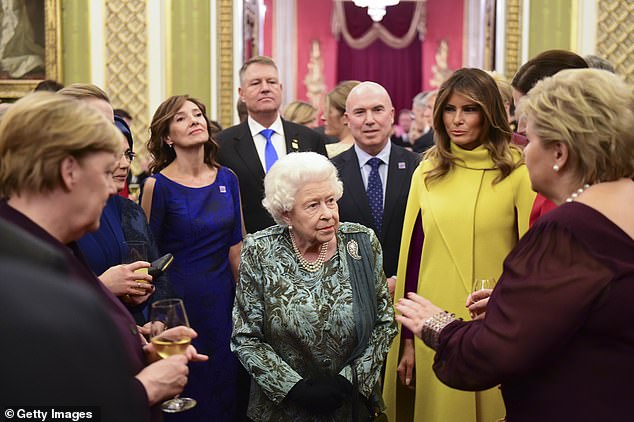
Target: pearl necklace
576, 194
309, 266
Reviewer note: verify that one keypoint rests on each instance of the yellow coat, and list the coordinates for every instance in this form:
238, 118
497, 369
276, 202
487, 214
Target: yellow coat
470, 226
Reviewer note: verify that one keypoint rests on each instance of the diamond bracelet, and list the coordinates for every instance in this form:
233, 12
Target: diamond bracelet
434, 325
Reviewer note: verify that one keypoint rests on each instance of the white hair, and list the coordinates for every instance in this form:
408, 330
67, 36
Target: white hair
421, 99
289, 174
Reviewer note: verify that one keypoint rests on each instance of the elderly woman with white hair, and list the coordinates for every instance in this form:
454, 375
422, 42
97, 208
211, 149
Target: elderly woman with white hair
313, 320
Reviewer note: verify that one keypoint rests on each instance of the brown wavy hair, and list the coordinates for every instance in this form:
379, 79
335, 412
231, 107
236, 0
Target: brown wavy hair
546, 63
162, 154
495, 136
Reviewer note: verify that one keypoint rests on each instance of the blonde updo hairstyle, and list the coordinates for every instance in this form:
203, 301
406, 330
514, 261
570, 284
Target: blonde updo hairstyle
301, 113
591, 111
338, 96
289, 174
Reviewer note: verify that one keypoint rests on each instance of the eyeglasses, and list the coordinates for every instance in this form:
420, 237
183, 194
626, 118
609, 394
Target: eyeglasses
129, 155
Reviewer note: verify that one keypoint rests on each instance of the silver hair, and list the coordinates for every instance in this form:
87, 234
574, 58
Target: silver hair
597, 62
420, 100
289, 174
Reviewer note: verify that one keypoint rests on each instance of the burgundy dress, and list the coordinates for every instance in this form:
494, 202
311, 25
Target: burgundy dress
80, 272
559, 329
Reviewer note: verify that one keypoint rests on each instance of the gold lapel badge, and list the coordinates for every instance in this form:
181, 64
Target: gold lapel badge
295, 145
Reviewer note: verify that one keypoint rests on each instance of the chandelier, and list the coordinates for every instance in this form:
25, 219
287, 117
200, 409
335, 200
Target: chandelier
376, 8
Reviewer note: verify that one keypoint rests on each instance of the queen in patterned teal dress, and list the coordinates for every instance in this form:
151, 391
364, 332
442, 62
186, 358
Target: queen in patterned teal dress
193, 206
313, 319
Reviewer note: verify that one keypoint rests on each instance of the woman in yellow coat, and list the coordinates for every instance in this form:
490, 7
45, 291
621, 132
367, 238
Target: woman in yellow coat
468, 205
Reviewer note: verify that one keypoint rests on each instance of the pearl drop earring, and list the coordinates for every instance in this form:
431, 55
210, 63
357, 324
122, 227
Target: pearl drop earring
556, 168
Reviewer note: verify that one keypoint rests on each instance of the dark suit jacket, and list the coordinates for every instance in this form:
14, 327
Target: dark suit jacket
354, 206
17, 244
81, 274
425, 142
237, 151
64, 349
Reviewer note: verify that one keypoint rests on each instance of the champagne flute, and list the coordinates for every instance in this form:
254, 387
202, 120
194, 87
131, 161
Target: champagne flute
134, 189
165, 318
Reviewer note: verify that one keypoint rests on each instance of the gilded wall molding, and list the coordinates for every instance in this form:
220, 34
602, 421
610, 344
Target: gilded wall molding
513, 41
224, 62
127, 62
16, 88
615, 35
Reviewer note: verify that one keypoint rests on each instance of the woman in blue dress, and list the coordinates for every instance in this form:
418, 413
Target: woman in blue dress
193, 206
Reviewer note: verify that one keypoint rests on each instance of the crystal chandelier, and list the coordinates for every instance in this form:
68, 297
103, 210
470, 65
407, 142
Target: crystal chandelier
376, 8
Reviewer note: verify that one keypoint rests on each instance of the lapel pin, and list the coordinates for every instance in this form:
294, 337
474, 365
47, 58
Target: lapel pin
401, 165
353, 249
222, 189
295, 145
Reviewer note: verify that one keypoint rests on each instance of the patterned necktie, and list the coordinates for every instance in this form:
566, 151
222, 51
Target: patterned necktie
375, 193
270, 155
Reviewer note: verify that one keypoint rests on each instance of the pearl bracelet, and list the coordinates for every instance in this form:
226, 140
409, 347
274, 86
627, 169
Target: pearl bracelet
434, 325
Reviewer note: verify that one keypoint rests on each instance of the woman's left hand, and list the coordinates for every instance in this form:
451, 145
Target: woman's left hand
477, 303
415, 310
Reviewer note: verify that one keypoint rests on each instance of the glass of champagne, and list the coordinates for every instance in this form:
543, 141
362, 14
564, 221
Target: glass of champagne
134, 190
165, 318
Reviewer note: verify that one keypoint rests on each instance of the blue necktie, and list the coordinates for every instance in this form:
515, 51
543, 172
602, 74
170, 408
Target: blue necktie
270, 155
375, 193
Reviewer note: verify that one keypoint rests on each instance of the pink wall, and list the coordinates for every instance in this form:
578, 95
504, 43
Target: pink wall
313, 23
268, 29
445, 20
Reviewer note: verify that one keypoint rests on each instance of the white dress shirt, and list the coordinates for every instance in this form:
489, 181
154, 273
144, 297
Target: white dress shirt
365, 168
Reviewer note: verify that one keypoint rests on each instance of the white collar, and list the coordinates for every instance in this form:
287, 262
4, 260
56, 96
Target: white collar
256, 127
364, 157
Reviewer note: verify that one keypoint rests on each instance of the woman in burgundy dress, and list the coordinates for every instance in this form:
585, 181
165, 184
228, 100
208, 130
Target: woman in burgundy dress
557, 333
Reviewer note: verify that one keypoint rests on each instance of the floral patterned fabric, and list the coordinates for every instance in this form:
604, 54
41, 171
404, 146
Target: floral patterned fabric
291, 324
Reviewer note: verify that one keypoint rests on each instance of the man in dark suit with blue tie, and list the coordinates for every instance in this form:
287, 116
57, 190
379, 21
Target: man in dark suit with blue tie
376, 174
251, 148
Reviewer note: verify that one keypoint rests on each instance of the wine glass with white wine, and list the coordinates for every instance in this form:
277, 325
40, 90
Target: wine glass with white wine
483, 284
165, 318
478, 285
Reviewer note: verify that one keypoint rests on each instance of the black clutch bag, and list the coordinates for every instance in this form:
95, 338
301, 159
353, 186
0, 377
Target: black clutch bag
159, 266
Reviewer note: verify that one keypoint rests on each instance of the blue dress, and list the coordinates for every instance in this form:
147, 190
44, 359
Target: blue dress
123, 220
198, 226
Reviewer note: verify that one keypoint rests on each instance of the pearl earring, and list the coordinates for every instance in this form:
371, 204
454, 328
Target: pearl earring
556, 168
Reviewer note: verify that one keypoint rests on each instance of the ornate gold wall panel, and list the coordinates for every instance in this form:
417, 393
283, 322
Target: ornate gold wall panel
513, 40
126, 62
224, 91
615, 35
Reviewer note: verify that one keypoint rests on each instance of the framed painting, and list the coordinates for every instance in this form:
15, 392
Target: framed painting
30, 49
